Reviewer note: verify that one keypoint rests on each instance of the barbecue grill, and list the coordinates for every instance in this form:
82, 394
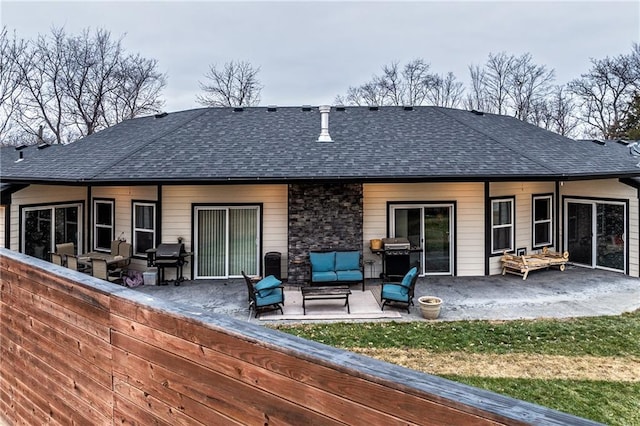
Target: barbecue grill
396, 258
168, 256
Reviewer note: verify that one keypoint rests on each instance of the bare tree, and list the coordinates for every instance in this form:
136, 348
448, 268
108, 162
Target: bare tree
605, 92
42, 78
509, 84
478, 98
11, 49
75, 85
235, 84
411, 84
528, 84
445, 91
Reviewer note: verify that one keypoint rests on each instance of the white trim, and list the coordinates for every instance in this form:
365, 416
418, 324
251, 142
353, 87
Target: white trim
510, 225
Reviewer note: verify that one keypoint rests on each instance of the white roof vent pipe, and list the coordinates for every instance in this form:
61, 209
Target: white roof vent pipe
324, 124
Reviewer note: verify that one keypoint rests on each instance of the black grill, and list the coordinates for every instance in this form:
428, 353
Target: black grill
168, 256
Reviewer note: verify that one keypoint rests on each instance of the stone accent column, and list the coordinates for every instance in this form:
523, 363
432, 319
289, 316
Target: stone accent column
322, 217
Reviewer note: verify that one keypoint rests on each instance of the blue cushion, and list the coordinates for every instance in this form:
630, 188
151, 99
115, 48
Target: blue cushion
323, 277
265, 284
323, 262
269, 296
349, 275
395, 292
347, 260
406, 281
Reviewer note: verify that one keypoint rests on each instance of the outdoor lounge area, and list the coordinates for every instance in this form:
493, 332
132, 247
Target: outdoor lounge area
547, 293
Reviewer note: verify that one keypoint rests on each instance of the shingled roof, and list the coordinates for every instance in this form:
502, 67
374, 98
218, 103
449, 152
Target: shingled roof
281, 144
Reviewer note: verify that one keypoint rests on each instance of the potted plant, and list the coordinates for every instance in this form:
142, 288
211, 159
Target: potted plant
430, 306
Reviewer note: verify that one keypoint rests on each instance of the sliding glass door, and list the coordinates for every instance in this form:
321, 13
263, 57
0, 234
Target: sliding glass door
596, 233
45, 226
428, 227
227, 241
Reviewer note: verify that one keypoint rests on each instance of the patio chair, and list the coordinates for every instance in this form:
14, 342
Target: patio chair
65, 249
56, 259
265, 295
401, 292
72, 263
126, 251
100, 270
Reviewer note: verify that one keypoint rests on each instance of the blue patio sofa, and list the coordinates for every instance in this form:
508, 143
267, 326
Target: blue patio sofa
336, 267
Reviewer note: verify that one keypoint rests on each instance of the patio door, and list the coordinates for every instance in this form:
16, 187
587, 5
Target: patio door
45, 226
430, 228
596, 234
227, 241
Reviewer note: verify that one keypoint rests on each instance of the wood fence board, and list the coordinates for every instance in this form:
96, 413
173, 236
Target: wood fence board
244, 403
343, 382
86, 393
127, 413
13, 410
174, 414
54, 355
290, 388
39, 306
72, 339
96, 308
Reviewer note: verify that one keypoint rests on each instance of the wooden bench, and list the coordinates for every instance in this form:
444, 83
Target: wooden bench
522, 265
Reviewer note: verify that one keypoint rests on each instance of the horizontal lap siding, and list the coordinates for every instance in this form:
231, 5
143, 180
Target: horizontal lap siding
523, 192
469, 198
177, 211
55, 352
612, 189
123, 197
41, 194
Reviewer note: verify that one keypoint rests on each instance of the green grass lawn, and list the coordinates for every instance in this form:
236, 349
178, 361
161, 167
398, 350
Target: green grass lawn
615, 403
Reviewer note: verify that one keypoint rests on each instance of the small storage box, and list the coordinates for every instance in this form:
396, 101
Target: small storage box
150, 277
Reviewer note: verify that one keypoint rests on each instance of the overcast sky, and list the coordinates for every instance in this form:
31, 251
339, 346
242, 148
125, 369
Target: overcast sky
309, 52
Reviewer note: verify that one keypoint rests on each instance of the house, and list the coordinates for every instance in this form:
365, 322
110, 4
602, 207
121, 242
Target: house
237, 183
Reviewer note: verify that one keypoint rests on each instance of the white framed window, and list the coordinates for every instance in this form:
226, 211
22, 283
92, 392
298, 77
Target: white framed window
144, 227
542, 220
502, 225
103, 224
44, 226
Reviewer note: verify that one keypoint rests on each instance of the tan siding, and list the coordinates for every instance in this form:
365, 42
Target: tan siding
612, 189
177, 220
469, 200
41, 194
523, 192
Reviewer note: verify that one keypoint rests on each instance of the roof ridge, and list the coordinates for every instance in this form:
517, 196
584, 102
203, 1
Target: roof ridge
151, 140
490, 136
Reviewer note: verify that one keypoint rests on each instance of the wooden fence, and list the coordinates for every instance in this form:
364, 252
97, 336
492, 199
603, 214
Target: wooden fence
76, 350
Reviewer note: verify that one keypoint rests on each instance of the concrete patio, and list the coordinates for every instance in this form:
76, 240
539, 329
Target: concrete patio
544, 294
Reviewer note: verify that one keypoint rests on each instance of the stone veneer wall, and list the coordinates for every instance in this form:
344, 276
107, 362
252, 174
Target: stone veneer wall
322, 217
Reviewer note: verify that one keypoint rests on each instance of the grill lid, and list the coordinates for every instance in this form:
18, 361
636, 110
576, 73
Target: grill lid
396, 244
173, 250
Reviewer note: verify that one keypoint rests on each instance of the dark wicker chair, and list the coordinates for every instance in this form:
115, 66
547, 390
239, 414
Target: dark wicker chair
265, 295
402, 292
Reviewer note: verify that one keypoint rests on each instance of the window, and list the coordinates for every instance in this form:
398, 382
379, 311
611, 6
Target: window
144, 227
502, 225
103, 221
43, 227
542, 220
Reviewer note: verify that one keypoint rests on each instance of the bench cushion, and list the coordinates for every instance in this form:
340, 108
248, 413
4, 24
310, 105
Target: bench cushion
395, 292
354, 275
324, 277
322, 262
347, 260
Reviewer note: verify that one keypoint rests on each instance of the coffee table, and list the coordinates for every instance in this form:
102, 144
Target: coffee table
325, 293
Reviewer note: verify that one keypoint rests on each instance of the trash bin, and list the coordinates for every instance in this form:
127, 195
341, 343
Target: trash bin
272, 264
